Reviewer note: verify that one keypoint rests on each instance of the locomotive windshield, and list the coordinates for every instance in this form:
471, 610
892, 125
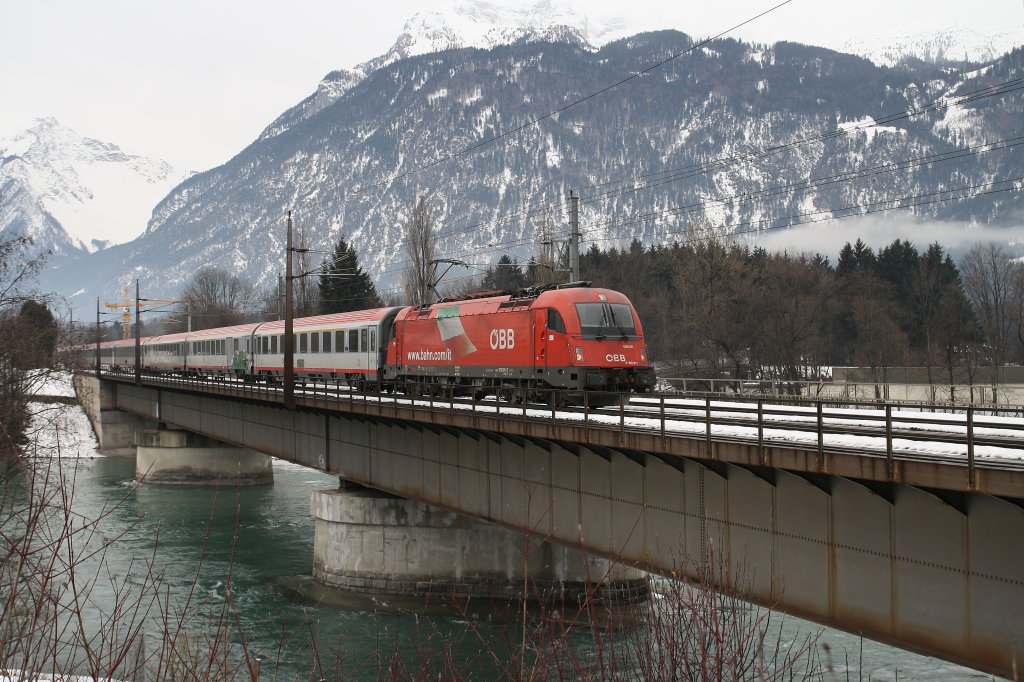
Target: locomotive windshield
600, 320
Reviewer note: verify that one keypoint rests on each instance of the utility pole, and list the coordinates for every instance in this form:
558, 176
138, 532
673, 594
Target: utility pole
289, 340
280, 296
574, 236
138, 338
98, 356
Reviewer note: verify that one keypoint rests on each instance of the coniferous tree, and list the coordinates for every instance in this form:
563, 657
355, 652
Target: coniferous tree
344, 285
37, 330
505, 275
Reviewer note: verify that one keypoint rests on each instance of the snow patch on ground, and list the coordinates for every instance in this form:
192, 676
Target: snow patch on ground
868, 126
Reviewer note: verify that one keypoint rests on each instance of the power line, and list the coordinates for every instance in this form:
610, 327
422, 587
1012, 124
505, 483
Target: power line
637, 74
812, 183
658, 178
674, 174
858, 210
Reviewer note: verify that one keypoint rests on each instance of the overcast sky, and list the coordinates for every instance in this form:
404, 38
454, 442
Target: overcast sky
195, 81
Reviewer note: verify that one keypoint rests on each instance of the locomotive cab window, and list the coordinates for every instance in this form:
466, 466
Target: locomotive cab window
606, 319
555, 321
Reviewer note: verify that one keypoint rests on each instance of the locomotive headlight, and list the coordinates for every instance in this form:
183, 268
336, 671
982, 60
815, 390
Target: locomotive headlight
579, 354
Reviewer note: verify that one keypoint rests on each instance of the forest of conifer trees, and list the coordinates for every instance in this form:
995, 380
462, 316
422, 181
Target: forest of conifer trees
723, 309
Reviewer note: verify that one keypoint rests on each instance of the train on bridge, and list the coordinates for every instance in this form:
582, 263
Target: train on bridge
562, 340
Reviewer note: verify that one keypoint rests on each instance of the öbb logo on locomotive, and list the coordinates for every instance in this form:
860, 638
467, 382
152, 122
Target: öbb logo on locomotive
503, 339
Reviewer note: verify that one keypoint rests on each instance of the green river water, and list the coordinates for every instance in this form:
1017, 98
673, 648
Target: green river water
177, 550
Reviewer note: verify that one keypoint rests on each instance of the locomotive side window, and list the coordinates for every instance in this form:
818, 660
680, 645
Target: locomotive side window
314, 342
353, 340
339, 341
606, 319
555, 321
273, 344
303, 343
327, 342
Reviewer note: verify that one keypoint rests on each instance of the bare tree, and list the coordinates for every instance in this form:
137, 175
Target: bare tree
789, 309
19, 345
1017, 305
419, 245
987, 272
880, 343
542, 267
306, 292
719, 280
217, 298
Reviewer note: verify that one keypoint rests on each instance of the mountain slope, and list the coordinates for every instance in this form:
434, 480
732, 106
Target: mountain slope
937, 47
348, 169
466, 24
73, 194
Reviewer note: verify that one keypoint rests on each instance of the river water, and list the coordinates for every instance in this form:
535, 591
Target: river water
186, 553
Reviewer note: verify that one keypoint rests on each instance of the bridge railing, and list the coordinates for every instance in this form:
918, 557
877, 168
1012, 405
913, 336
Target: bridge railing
932, 395
880, 428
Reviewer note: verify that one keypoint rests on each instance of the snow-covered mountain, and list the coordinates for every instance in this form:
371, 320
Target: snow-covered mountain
74, 194
468, 24
702, 145
953, 45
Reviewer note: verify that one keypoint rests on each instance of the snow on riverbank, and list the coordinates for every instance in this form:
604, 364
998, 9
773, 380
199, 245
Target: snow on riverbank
59, 429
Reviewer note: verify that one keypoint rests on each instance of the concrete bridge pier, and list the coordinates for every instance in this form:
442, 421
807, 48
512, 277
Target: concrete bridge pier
176, 457
166, 456
371, 542
115, 430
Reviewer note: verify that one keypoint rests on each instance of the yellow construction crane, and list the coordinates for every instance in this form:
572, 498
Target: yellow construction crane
126, 308
126, 316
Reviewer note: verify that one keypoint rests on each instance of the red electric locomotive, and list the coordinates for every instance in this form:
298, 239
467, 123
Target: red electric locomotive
544, 342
